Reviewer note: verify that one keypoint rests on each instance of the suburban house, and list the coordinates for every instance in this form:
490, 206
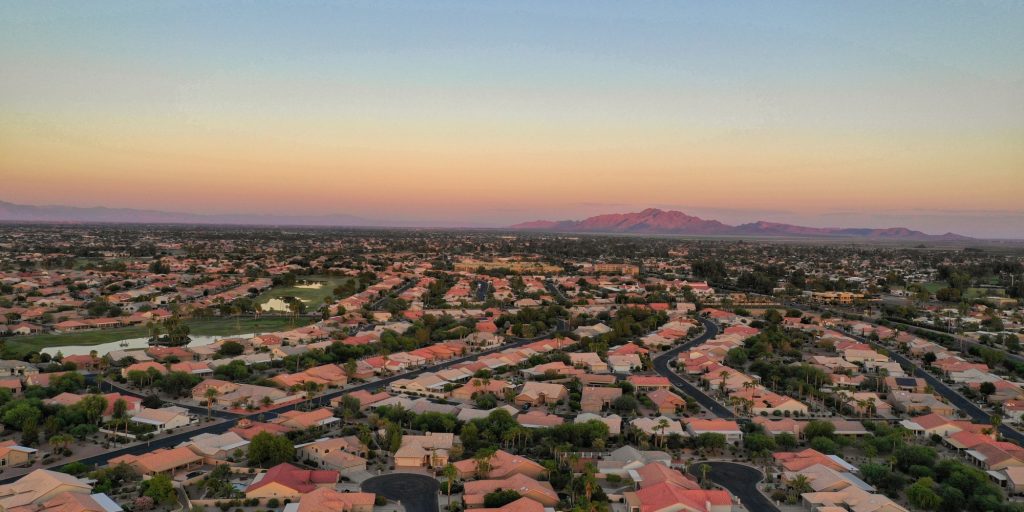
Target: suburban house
595, 399
168, 461
339, 454
40, 486
326, 498
426, 451
541, 393
287, 481
165, 418
502, 465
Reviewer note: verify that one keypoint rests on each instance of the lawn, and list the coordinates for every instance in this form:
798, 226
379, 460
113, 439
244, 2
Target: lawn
20, 345
313, 297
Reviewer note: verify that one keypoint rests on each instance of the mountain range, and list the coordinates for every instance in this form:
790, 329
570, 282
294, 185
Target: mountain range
653, 221
649, 221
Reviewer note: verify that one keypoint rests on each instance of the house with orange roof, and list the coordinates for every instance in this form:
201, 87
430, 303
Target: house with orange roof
520, 505
326, 498
40, 486
654, 473
728, 428
628, 348
327, 375
849, 498
502, 465
424, 451
554, 368
72, 502
539, 419
649, 382
795, 462
541, 492
666, 401
996, 455
541, 393
144, 366
765, 402
778, 426
342, 454
168, 461
667, 497
304, 420
366, 398
475, 387
248, 429
595, 399
287, 481
193, 367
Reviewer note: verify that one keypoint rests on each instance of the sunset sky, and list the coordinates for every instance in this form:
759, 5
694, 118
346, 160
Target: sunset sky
867, 114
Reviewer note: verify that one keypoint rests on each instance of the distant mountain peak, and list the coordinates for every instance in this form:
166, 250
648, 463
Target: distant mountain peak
673, 222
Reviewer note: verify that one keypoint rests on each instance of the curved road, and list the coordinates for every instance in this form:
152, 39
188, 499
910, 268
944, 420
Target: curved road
741, 480
415, 492
662, 368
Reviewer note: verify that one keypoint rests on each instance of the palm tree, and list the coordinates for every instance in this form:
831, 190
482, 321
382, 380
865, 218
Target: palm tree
483, 463
799, 484
210, 394
61, 441
450, 473
704, 470
662, 425
721, 383
574, 459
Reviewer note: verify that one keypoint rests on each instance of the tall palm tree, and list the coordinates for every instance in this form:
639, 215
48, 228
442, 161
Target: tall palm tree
662, 425
210, 394
450, 473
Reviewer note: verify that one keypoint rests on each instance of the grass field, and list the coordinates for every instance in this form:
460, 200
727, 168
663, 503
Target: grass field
313, 297
20, 345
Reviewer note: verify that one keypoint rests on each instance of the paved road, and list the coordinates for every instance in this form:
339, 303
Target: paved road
415, 492
115, 387
741, 480
661, 366
556, 291
172, 440
968, 407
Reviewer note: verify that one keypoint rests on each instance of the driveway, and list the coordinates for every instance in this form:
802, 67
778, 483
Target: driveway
416, 493
741, 480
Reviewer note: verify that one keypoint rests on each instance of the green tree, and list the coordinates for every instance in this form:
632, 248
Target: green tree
161, 490
270, 450
923, 496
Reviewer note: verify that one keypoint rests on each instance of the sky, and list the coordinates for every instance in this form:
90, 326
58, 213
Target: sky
476, 113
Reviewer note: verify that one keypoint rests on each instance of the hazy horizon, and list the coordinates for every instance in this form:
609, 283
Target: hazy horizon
823, 114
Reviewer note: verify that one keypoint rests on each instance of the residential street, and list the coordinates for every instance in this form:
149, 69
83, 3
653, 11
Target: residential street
741, 480
661, 365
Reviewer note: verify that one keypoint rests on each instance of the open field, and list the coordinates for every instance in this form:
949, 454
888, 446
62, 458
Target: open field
20, 345
313, 297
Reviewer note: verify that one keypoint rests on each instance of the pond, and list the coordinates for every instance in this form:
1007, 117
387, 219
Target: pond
132, 343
